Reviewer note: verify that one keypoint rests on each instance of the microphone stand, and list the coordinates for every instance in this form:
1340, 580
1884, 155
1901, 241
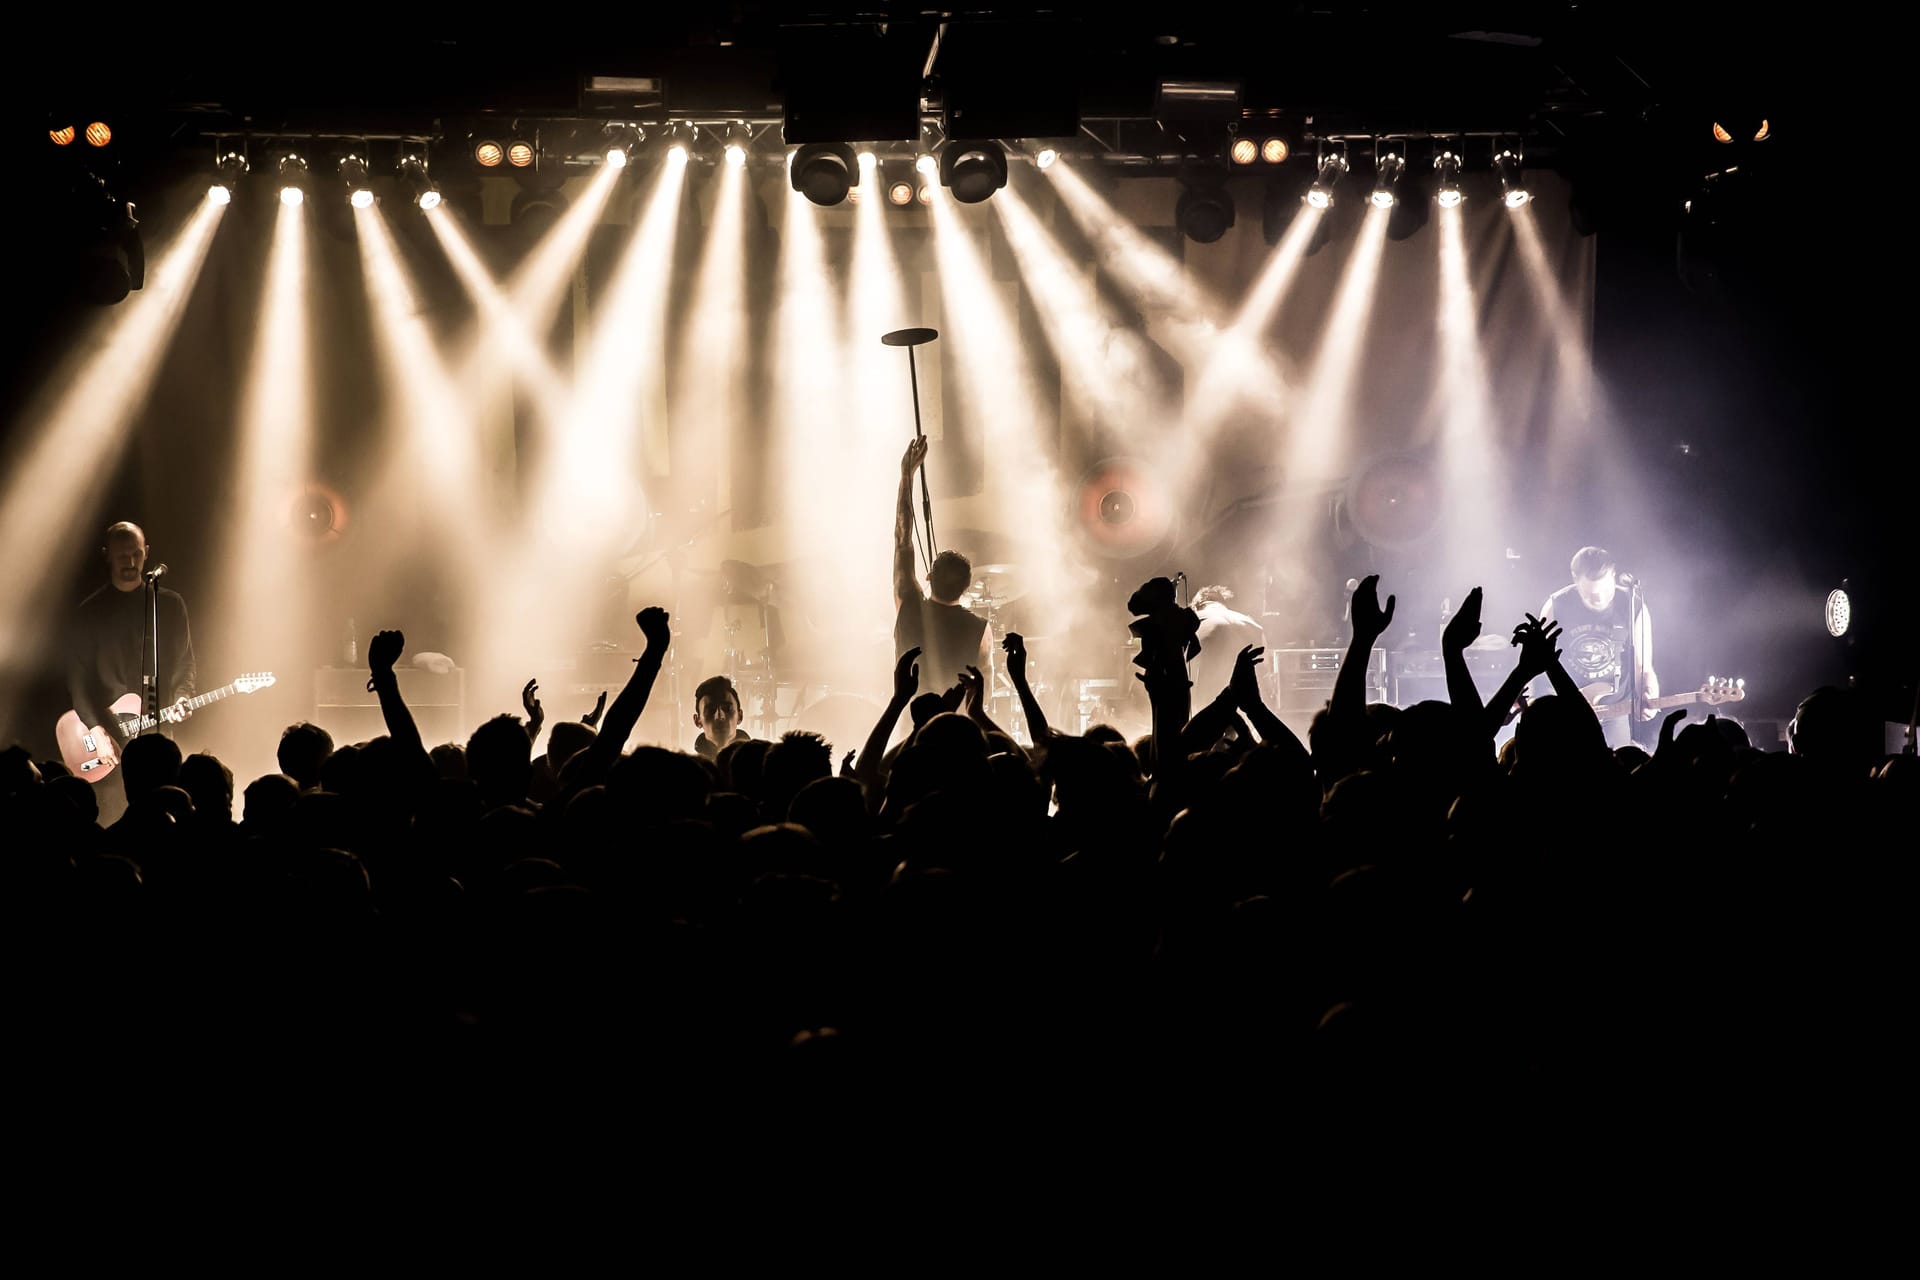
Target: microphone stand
1636, 695
150, 658
911, 338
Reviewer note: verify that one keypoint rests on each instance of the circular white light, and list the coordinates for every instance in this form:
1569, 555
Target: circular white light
676, 153
868, 161
617, 157
361, 198
1383, 199
1046, 157
429, 200
925, 164
1449, 199
1319, 199
926, 195
219, 194
291, 195
1515, 199
1839, 613
736, 155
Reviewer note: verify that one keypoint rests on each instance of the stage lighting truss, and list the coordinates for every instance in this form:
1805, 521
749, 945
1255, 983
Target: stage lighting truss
292, 169
1446, 177
1513, 184
972, 169
825, 172
1388, 165
353, 172
415, 177
229, 166
1328, 169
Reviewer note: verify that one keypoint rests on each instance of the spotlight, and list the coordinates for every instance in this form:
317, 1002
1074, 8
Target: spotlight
868, 162
1244, 151
925, 194
488, 154
61, 137
1513, 186
1044, 157
228, 170
413, 173
1446, 167
973, 171
1387, 168
620, 140
925, 163
293, 179
1204, 211
98, 135
1839, 612
677, 153
824, 172
519, 154
1332, 164
353, 172
1275, 150
900, 193
738, 138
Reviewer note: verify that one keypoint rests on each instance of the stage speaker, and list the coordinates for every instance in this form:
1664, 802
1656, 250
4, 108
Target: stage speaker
347, 709
1303, 678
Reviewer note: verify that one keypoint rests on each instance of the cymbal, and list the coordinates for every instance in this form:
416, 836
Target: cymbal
909, 337
998, 582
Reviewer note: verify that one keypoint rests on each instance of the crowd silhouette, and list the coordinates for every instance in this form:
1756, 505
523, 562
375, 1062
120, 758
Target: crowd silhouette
1388, 914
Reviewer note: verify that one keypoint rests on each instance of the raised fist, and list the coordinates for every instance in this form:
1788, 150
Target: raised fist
653, 625
384, 650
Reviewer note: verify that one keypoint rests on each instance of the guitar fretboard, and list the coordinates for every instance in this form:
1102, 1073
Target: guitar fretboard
143, 723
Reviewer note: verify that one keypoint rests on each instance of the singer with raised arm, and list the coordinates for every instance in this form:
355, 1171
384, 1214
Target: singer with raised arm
1607, 638
949, 636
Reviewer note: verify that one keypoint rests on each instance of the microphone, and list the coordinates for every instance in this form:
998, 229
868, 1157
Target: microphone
1626, 579
158, 571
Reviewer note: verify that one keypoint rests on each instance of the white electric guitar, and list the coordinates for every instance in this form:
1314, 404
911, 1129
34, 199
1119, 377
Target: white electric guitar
89, 750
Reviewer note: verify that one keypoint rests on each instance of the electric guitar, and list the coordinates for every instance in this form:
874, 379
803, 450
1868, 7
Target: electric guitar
89, 751
1714, 691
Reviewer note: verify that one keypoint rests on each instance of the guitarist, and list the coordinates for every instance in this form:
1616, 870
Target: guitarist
108, 641
1597, 635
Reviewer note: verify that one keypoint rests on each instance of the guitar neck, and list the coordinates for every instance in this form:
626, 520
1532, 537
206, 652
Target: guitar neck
193, 704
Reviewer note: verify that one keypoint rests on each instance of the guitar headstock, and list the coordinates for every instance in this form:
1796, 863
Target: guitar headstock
1718, 689
253, 680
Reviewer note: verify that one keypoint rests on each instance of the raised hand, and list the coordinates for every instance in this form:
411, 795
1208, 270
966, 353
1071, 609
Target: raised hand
973, 686
384, 650
906, 676
592, 717
915, 455
1665, 746
530, 700
1369, 619
951, 699
654, 625
1245, 683
1015, 646
1463, 628
1537, 641
846, 766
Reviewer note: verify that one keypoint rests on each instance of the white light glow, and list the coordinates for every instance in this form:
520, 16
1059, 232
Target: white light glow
219, 194
616, 157
292, 197
361, 198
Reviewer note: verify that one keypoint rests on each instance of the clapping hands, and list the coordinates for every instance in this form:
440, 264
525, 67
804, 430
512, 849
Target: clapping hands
906, 676
1245, 683
1537, 641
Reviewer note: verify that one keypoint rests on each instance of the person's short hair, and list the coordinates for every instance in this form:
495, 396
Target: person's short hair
123, 526
208, 780
567, 739
304, 748
1591, 562
1211, 593
714, 687
952, 573
149, 762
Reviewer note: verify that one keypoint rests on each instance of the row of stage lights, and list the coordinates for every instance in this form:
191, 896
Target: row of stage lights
833, 173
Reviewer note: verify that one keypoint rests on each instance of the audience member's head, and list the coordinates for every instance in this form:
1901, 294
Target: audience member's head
500, 760
304, 749
210, 783
148, 762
